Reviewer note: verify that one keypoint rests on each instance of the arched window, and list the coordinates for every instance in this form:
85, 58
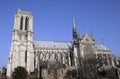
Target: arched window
26, 24
21, 23
26, 56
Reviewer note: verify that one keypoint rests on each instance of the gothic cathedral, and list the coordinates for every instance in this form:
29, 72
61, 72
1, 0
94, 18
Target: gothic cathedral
41, 57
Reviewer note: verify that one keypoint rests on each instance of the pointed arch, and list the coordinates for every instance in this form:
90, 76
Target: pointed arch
21, 23
26, 23
58, 56
26, 56
47, 55
41, 56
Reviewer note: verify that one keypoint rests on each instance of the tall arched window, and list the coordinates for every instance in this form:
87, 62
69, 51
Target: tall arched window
26, 56
26, 24
21, 23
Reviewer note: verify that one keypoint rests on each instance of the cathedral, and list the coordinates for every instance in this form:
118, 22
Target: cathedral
44, 59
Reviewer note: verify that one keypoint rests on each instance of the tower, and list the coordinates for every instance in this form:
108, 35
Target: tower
22, 53
75, 46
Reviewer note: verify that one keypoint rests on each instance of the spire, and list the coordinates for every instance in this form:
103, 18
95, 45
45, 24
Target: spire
74, 25
74, 29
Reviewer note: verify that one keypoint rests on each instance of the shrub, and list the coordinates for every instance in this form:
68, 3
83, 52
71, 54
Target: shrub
19, 73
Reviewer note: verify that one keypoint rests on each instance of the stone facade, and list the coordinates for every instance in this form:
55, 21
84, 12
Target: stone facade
22, 53
47, 58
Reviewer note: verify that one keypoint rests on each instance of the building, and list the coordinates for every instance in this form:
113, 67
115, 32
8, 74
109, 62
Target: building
46, 58
2, 72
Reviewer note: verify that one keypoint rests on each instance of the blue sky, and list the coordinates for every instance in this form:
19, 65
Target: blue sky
53, 21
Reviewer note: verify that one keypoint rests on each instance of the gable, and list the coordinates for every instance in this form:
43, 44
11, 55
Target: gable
87, 39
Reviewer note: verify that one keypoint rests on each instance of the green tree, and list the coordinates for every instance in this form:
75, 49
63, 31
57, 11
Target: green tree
19, 73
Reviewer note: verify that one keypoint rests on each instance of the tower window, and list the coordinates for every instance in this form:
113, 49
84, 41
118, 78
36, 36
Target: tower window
21, 23
26, 56
26, 24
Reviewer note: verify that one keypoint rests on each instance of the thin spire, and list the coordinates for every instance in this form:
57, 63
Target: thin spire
74, 25
74, 28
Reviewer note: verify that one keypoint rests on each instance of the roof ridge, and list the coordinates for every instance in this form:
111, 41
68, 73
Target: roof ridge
52, 40
52, 44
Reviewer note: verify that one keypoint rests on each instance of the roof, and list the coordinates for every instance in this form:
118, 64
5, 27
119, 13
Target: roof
101, 47
61, 44
52, 44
